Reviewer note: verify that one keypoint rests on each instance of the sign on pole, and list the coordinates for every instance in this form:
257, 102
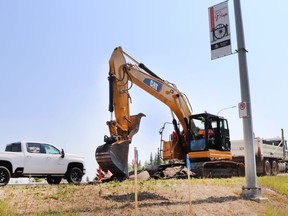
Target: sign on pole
243, 113
219, 26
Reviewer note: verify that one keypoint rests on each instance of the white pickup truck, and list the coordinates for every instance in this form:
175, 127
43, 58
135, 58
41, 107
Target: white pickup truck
41, 160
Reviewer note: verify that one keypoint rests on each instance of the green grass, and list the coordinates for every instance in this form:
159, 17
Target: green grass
235, 181
5, 209
276, 183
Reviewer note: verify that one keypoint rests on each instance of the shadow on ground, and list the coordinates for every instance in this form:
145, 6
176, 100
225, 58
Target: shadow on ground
161, 200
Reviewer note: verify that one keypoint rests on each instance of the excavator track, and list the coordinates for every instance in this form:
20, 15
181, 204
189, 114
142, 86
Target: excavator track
114, 157
218, 169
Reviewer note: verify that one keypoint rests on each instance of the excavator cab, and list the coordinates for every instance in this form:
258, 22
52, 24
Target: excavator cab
210, 132
207, 145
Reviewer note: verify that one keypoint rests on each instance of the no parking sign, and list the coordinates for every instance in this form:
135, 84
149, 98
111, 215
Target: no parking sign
242, 106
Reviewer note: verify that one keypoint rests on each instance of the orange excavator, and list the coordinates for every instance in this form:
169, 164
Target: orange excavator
203, 137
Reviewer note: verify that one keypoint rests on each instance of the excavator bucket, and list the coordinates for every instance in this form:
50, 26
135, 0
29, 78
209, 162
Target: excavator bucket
114, 157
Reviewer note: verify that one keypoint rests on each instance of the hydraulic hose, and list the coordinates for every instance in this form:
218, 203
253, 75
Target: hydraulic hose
111, 100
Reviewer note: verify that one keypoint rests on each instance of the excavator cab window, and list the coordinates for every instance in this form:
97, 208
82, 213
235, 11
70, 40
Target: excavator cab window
198, 140
225, 137
210, 132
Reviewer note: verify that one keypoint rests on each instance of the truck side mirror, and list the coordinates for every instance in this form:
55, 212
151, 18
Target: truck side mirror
62, 153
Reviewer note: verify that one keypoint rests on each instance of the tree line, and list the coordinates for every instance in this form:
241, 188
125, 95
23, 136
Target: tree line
153, 160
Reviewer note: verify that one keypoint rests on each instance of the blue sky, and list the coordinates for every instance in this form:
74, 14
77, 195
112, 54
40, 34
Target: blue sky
54, 67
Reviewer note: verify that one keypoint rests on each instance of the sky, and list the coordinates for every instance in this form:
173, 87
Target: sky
54, 66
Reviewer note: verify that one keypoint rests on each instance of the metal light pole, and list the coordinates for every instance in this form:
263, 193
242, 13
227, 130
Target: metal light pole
250, 190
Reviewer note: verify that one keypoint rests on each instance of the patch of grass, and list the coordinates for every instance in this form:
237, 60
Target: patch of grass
114, 183
5, 209
272, 210
276, 183
231, 182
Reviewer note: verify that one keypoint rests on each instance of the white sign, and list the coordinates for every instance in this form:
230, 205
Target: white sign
242, 110
219, 30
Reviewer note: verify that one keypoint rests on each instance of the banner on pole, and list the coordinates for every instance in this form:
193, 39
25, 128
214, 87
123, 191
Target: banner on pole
219, 26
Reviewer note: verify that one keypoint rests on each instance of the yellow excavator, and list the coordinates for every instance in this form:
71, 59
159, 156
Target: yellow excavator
203, 137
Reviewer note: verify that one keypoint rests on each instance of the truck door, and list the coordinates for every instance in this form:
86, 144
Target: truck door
35, 159
55, 164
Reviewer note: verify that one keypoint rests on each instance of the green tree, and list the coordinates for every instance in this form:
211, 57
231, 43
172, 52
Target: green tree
139, 165
157, 158
151, 159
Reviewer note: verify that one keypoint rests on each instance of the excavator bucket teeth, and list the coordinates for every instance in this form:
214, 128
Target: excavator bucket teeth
114, 157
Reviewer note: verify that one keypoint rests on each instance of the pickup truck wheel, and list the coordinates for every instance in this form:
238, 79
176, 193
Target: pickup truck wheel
74, 175
54, 180
4, 176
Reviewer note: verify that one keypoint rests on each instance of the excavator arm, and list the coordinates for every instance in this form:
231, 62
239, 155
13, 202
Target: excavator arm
113, 155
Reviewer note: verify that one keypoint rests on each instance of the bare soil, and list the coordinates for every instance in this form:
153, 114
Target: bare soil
155, 197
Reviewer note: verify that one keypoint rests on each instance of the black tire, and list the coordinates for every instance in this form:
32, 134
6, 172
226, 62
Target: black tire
274, 168
54, 179
74, 175
267, 168
4, 176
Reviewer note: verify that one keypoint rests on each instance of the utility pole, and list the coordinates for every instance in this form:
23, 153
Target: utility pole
250, 190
